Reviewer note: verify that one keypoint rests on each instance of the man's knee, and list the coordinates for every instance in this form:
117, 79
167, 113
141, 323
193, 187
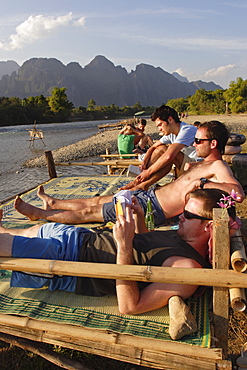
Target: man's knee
161, 149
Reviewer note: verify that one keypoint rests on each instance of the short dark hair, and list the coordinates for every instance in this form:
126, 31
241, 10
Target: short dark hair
216, 131
196, 123
142, 121
164, 112
211, 198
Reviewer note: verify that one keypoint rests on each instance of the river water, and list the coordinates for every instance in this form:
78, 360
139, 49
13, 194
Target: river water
15, 149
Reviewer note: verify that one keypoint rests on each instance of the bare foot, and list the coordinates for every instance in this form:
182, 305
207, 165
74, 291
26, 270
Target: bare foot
26, 209
47, 200
131, 185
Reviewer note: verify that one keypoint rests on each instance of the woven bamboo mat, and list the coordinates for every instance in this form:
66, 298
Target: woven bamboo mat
91, 312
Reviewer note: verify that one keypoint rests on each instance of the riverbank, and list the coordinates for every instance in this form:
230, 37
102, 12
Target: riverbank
97, 144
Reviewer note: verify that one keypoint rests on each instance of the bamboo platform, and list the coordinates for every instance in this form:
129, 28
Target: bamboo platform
124, 347
139, 350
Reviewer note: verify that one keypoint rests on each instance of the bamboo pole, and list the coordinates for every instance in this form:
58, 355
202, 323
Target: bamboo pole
238, 255
195, 276
120, 163
111, 125
75, 332
117, 155
221, 260
47, 354
238, 299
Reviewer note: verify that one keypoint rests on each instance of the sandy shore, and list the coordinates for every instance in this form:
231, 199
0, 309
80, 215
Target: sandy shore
97, 144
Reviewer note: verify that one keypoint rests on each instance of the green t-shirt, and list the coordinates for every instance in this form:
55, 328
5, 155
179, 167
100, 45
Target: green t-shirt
126, 144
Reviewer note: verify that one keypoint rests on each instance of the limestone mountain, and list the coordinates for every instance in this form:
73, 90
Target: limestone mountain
6, 68
179, 77
100, 80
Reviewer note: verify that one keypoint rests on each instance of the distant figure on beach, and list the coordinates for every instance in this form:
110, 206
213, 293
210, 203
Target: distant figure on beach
197, 123
167, 201
174, 147
142, 144
126, 139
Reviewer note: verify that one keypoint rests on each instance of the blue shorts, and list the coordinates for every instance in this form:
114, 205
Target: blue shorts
109, 213
55, 242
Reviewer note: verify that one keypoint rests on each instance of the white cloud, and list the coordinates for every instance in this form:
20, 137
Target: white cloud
80, 22
220, 71
181, 72
37, 27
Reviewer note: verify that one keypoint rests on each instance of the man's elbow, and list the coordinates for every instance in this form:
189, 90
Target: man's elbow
128, 309
125, 312
239, 191
240, 196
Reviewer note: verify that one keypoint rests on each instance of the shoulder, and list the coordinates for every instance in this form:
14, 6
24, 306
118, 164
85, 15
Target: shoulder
187, 130
187, 127
219, 163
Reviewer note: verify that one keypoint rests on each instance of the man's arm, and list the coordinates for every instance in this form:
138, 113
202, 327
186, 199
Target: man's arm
219, 176
166, 158
130, 299
149, 153
225, 180
139, 217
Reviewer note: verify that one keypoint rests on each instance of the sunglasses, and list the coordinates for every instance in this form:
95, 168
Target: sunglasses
199, 141
189, 216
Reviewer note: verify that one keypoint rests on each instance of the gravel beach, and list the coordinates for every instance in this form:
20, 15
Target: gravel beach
97, 144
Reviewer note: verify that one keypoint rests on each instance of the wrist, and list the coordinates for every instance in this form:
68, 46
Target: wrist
124, 258
203, 181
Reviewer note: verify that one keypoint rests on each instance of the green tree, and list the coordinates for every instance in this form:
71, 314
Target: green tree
236, 95
198, 102
58, 100
91, 105
137, 107
180, 104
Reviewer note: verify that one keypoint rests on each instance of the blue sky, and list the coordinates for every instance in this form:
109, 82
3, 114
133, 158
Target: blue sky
199, 39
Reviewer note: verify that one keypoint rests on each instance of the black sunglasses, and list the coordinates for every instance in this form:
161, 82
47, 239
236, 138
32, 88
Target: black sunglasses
199, 141
189, 216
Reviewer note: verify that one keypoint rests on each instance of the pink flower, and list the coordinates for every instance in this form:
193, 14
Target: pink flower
233, 194
228, 201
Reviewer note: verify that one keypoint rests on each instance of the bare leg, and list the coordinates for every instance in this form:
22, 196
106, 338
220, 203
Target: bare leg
136, 184
31, 232
84, 215
7, 236
70, 204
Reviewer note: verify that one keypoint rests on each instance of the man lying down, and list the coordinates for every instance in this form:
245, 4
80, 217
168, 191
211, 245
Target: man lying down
130, 244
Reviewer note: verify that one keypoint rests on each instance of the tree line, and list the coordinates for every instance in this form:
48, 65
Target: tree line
57, 107
231, 100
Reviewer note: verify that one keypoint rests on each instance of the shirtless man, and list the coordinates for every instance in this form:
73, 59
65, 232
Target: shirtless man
131, 243
167, 201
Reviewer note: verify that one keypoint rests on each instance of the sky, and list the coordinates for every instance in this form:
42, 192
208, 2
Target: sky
201, 40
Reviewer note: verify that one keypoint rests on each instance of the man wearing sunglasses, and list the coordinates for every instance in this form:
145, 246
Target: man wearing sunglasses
130, 243
167, 201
